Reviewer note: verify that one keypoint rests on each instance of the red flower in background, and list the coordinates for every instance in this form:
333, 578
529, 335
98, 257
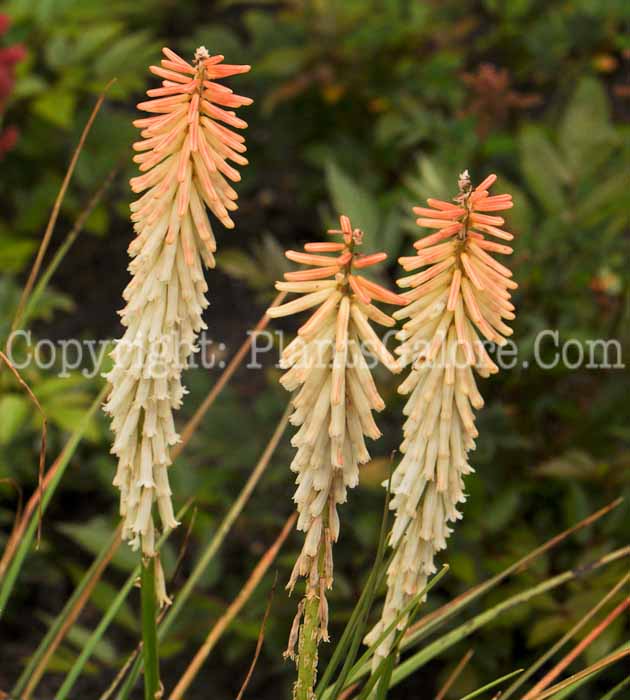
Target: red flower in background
9, 56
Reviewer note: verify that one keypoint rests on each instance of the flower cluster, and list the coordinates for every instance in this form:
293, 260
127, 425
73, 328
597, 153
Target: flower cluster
183, 160
9, 57
459, 294
334, 390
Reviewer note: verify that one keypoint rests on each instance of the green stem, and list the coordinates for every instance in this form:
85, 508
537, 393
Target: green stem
310, 630
307, 654
149, 630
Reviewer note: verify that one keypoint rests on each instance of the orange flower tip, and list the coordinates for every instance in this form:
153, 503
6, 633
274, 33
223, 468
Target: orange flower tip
217, 58
368, 260
323, 247
485, 184
398, 299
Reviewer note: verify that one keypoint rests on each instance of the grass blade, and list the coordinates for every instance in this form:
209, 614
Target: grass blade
498, 681
42, 449
614, 692
383, 686
259, 641
381, 678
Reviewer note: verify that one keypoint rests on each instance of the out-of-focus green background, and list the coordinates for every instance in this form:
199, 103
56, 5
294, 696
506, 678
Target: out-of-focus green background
367, 107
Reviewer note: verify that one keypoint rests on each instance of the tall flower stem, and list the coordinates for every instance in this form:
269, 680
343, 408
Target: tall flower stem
149, 629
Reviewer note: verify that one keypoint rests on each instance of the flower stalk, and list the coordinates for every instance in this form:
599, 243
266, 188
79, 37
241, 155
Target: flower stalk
149, 629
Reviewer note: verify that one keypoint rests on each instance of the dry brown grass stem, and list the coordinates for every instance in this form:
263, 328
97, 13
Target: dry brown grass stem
259, 641
457, 671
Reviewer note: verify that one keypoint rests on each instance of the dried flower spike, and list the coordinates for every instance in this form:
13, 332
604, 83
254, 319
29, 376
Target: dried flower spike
183, 158
460, 297
334, 391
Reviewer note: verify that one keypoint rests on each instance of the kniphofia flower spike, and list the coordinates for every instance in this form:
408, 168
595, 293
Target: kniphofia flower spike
459, 296
334, 390
183, 160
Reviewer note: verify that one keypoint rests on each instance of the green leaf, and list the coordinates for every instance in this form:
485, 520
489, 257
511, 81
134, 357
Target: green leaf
28, 86
15, 252
543, 168
586, 136
68, 417
78, 635
118, 55
56, 106
502, 510
93, 535
102, 597
606, 197
351, 199
14, 410
242, 266
573, 464
282, 61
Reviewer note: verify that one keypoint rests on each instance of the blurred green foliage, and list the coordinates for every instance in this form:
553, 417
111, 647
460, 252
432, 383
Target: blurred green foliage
365, 106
